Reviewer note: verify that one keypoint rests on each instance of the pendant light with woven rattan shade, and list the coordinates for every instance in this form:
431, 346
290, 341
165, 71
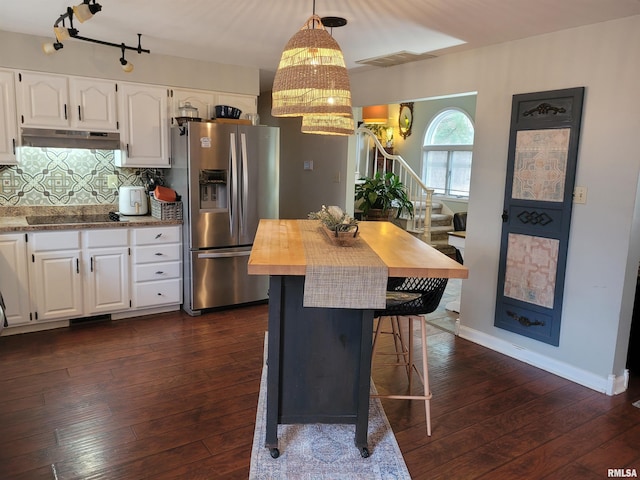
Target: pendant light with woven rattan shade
328, 124
312, 76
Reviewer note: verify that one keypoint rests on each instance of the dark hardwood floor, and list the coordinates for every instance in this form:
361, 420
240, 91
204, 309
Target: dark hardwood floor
171, 396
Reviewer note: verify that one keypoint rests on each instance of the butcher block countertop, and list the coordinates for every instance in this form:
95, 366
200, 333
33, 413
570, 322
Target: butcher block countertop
14, 219
278, 250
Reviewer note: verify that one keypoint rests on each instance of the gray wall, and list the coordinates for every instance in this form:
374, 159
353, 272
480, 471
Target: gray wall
604, 247
303, 191
423, 112
86, 59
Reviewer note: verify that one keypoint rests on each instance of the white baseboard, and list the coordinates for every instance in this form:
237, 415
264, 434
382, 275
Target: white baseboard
610, 385
144, 311
35, 327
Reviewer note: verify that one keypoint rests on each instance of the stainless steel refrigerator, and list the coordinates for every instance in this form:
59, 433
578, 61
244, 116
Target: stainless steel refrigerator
228, 177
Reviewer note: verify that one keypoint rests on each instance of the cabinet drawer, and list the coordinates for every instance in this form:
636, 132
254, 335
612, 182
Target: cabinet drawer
157, 235
157, 253
113, 237
55, 240
163, 292
157, 271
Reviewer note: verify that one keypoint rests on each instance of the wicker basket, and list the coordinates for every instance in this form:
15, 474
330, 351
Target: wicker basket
166, 210
344, 238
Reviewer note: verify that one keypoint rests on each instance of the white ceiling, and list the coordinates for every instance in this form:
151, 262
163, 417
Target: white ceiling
254, 32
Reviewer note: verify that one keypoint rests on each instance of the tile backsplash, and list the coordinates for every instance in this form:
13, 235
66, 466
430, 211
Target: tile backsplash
65, 177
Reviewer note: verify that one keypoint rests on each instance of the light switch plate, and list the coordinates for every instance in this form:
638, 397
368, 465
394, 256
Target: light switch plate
580, 195
112, 181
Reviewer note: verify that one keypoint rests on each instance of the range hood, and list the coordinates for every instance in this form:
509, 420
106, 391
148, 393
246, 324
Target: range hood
45, 137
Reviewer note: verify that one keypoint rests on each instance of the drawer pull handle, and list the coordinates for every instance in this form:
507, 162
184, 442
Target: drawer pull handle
160, 273
159, 254
158, 236
159, 294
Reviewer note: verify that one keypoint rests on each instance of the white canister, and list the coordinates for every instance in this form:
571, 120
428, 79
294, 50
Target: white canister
133, 200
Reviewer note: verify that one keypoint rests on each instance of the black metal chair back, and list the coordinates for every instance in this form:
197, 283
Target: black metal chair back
412, 296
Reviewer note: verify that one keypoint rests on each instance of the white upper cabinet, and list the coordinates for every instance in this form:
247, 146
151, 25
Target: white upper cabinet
8, 120
93, 104
60, 101
203, 100
144, 126
43, 100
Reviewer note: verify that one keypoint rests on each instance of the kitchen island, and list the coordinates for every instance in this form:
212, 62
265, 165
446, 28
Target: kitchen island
319, 357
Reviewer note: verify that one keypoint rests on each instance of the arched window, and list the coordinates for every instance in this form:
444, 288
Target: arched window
446, 153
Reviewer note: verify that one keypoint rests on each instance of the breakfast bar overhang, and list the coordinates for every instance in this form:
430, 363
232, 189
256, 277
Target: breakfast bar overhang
319, 357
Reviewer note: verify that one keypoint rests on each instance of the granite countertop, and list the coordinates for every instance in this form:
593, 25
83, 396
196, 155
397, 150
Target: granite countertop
14, 219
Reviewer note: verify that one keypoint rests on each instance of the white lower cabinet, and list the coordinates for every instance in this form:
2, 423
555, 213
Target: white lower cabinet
106, 269
157, 266
55, 275
14, 278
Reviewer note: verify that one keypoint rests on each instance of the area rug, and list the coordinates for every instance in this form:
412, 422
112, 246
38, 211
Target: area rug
321, 451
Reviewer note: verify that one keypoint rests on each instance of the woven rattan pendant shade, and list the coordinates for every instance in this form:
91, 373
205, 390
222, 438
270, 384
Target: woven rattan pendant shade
328, 124
312, 76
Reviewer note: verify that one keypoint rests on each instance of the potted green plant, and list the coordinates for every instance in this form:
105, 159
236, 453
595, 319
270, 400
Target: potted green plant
383, 196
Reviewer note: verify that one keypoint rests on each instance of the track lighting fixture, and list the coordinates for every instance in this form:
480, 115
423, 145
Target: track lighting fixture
83, 12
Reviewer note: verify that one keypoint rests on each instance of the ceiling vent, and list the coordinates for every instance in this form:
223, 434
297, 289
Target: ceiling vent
395, 59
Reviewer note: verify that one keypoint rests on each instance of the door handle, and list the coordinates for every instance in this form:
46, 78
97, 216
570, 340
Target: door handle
245, 183
232, 191
244, 253
505, 216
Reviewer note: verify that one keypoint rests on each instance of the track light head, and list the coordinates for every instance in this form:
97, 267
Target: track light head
127, 67
51, 47
63, 33
86, 10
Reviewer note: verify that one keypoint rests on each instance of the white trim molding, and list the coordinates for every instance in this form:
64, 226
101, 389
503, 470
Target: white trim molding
611, 385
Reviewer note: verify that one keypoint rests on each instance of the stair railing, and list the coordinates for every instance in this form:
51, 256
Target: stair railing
370, 151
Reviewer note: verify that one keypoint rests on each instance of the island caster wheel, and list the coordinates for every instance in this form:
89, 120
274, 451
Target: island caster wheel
364, 452
275, 453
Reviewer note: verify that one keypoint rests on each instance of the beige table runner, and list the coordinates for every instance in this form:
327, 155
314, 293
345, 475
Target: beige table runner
341, 277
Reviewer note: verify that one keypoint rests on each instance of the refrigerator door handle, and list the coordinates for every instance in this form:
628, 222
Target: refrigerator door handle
245, 183
233, 183
244, 253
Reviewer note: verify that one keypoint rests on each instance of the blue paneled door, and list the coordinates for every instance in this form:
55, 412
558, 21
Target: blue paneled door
542, 158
